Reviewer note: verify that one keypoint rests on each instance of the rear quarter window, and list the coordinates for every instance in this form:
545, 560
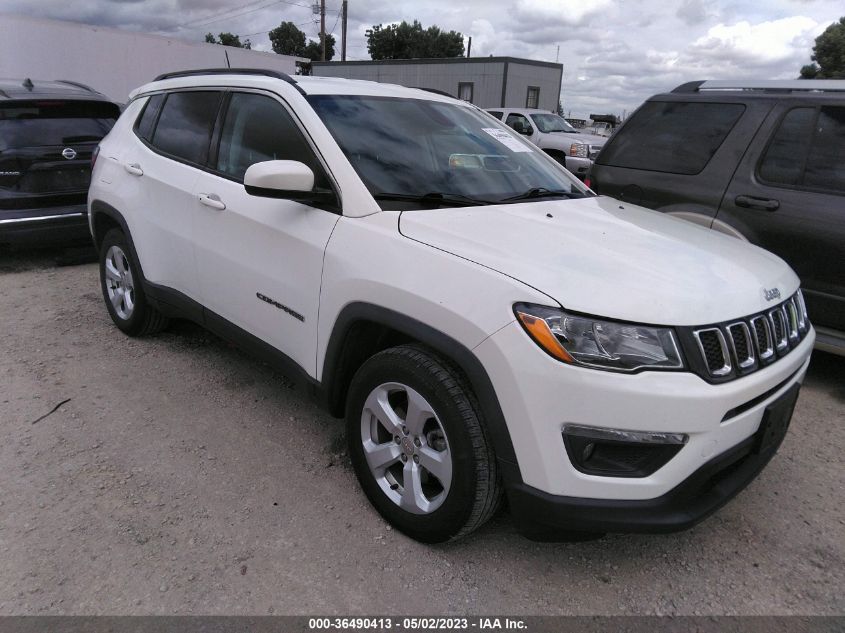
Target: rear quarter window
146, 122
672, 137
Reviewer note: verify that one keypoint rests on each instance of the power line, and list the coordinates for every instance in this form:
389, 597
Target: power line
236, 15
219, 13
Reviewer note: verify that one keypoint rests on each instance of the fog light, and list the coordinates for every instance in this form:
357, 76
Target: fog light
618, 453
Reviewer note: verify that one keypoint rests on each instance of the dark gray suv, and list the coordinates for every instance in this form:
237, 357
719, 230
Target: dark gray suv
49, 131
762, 161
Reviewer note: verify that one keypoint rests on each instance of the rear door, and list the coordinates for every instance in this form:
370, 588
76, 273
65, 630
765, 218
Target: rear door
45, 152
173, 136
260, 260
788, 196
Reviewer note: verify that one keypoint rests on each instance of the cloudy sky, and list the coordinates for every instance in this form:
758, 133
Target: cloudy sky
615, 52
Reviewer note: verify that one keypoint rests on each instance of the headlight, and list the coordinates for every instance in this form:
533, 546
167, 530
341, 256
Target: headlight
582, 340
578, 149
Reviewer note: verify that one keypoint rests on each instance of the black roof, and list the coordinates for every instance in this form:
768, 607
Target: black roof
38, 89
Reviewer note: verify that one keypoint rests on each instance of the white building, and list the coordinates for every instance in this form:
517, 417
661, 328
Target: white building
488, 82
112, 61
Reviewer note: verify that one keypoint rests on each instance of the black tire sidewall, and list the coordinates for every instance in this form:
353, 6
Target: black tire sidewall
447, 521
135, 323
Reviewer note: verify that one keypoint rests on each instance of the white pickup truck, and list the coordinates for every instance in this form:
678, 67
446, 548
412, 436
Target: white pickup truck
572, 148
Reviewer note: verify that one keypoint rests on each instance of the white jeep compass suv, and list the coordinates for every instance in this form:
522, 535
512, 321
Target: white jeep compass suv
486, 324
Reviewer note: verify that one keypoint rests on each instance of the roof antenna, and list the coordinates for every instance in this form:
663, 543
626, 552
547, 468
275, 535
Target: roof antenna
228, 65
27, 83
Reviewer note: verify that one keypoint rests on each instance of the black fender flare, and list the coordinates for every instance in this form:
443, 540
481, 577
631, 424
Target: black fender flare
439, 342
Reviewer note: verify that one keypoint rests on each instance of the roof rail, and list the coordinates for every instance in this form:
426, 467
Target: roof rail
765, 85
232, 71
690, 86
77, 84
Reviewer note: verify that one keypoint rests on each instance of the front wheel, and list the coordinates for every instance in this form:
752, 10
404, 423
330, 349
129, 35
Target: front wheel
419, 447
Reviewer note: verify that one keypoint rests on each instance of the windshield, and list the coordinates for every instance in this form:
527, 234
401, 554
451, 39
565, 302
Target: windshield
552, 123
413, 153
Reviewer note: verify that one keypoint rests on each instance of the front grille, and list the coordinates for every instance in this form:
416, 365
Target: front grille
743, 346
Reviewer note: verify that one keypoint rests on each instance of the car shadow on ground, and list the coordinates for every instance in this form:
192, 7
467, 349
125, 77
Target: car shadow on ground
17, 259
827, 371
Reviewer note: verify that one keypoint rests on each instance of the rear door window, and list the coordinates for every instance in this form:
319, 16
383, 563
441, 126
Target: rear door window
185, 124
672, 137
806, 150
825, 168
54, 123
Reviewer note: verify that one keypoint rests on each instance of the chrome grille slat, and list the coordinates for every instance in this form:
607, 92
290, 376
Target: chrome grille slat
713, 348
741, 345
763, 337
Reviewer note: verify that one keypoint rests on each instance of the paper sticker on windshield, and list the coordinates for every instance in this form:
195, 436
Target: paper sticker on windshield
506, 139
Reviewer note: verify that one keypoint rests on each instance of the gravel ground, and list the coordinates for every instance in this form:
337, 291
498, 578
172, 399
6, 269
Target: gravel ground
180, 476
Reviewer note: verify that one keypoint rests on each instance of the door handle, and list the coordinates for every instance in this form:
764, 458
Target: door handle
211, 200
750, 202
134, 169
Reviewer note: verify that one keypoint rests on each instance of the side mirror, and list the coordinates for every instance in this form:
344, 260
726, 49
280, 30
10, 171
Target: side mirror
279, 179
288, 180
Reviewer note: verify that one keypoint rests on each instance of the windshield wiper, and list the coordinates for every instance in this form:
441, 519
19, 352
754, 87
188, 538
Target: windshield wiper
435, 198
542, 192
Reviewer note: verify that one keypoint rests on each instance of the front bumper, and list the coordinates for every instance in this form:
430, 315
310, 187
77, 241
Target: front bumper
542, 516
539, 396
45, 226
579, 166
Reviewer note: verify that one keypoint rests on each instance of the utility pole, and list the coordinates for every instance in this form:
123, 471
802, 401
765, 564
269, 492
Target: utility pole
323, 30
557, 55
345, 8
469, 47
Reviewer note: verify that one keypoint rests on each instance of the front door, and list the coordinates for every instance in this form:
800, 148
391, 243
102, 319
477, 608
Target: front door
260, 260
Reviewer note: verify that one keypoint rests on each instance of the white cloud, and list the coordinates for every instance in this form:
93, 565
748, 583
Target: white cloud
766, 42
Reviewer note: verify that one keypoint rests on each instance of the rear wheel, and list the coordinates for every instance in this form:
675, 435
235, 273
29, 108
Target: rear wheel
120, 281
419, 446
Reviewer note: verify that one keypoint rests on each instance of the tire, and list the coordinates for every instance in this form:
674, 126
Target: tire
444, 425
123, 293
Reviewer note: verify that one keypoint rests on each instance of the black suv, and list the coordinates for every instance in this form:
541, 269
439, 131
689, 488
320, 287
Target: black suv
763, 161
49, 131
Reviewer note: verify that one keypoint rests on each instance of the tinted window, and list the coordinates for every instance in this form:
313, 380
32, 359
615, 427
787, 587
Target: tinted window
144, 127
825, 166
498, 115
677, 138
519, 122
184, 127
258, 128
40, 123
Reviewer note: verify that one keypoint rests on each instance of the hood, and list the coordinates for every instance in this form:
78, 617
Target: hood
602, 257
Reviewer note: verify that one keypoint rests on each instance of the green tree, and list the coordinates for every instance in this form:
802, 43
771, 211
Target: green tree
313, 50
228, 39
287, 39
412, 41
829, 53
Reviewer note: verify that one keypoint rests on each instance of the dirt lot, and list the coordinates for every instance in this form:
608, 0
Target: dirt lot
182, 477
